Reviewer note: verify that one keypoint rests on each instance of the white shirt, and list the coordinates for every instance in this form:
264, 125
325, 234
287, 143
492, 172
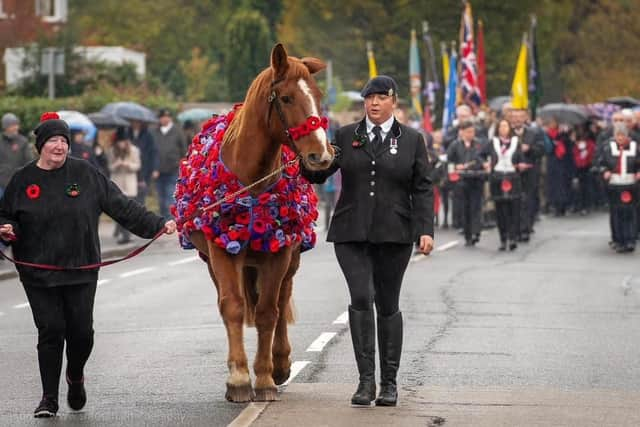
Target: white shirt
167, 128
386, 127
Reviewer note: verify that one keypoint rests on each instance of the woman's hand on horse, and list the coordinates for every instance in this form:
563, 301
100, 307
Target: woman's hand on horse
426, 244
170, 227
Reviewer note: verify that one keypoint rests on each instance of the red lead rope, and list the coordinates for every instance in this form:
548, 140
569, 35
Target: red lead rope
85, 267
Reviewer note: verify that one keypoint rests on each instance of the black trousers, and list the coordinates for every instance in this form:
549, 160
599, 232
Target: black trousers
624, 223
508, 218
472, 206
62, 313
374, 273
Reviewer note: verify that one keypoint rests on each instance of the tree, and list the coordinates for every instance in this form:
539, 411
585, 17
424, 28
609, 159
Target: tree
201, 77
248, 46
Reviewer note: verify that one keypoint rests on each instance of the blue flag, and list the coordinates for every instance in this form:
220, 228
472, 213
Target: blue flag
450, 93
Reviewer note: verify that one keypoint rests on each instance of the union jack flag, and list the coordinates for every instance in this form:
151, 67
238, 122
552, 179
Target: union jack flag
468, 62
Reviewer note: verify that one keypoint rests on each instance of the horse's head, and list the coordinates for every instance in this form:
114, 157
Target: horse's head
295, 108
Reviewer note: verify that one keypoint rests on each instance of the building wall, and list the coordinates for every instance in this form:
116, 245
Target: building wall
20, 25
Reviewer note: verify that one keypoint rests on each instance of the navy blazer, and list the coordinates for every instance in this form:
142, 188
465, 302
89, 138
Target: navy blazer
387, 194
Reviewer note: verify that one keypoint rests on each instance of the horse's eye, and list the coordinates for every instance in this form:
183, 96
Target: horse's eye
286, 99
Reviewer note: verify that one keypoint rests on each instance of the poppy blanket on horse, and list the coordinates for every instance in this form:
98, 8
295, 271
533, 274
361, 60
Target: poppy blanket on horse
282, 215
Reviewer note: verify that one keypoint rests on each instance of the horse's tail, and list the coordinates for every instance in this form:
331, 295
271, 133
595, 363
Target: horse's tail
251, 295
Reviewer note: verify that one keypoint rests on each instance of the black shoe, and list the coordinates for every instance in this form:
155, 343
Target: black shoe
513, 246
468, 242
476, 239
503, 246
77, 395
524, 238
630, 247
362, 326
388, 395
47, 408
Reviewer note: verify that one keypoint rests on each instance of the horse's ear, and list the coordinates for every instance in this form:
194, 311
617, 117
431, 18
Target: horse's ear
279, 61
314, 64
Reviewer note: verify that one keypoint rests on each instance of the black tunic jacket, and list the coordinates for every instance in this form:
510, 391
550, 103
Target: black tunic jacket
385, 197
55, 227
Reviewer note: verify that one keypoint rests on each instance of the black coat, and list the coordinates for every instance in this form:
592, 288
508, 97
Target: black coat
385, 197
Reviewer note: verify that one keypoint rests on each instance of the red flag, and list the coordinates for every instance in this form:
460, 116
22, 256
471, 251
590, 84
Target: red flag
426, 119
482, 70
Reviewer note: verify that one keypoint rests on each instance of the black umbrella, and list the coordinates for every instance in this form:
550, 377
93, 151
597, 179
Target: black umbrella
569, 114
130, 111
624, 101
107, 120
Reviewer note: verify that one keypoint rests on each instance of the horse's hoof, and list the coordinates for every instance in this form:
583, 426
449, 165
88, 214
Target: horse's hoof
239, 393
280, 377
266, 394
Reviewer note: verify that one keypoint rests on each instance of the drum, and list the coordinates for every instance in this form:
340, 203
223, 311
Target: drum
505, 185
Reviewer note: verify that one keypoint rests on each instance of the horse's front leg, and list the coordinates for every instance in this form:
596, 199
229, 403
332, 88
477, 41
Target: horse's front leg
281, 345
231, 306
270, 277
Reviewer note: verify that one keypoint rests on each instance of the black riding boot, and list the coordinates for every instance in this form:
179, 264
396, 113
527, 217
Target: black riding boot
390, 345
364, 347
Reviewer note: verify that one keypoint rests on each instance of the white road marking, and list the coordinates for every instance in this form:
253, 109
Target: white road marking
442, 248
342, 319
23, 305
296, 367
184, 261
447, 246
321, 341
103, 281
136, 272
249, 414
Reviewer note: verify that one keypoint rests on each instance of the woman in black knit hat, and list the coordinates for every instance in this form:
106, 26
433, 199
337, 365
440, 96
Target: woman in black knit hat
50, 214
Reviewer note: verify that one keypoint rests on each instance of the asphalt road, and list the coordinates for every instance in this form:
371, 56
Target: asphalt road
555, 320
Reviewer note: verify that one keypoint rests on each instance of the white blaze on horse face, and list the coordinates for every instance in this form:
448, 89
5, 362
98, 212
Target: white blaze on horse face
313, 111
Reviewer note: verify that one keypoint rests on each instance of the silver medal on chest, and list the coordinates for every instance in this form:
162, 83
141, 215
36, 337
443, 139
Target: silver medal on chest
393, 146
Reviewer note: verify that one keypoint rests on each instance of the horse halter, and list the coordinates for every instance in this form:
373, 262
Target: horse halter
293, 133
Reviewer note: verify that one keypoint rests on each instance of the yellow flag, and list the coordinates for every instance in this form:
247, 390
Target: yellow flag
520, 88
373, 70
445, 64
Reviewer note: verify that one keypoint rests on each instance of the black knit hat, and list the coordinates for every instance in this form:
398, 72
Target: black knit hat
51, 125
380, 84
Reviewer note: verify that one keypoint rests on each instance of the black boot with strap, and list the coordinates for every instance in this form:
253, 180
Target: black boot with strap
390, 345
362, 325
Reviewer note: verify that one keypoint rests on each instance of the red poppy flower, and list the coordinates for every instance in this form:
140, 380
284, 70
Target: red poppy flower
626, 197
259, 226
243, 218
233, 235
256, 245
313, 122
274, 245
264, 198
355, 144
33, 191
284, 211
506, 185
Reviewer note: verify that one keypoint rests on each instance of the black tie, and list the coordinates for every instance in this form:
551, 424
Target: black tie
377, 135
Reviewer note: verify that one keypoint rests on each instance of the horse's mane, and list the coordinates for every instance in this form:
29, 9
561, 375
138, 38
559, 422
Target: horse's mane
259, 92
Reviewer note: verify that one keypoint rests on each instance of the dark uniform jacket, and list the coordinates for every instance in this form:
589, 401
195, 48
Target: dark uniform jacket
458, 154
385, 197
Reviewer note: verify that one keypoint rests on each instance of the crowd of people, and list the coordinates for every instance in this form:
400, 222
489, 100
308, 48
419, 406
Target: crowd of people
505, 169
138, 156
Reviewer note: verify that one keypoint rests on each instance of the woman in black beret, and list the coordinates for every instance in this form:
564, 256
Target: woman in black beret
50, 214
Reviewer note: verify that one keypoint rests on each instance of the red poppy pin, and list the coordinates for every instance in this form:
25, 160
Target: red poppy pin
73, 190
33, 191
626, 197
359, 140
506, 185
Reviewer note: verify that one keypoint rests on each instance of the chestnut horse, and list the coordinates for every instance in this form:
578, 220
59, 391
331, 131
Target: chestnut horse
255, 287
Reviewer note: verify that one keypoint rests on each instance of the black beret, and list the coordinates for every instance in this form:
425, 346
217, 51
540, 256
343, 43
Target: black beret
164, 112
380, 84
51, 125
